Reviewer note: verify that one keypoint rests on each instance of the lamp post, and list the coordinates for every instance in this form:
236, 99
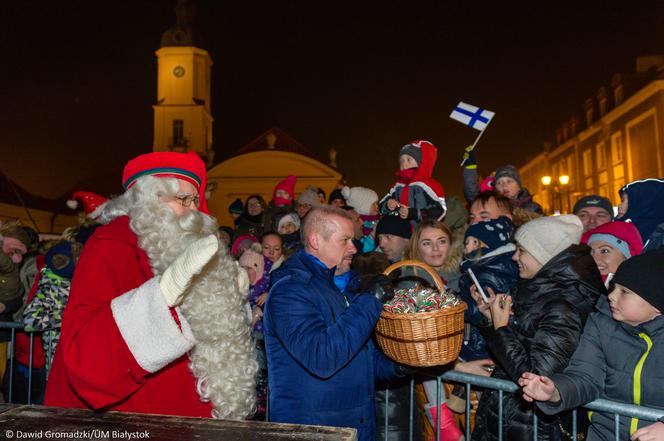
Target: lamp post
564, 181
546, 181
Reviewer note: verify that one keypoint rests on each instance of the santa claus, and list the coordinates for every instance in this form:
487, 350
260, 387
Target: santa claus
156, 318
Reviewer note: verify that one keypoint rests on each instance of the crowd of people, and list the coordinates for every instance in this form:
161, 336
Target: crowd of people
150, 306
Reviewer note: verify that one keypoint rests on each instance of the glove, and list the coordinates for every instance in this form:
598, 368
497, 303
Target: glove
401, 370
177, 277
469, 159
379, 286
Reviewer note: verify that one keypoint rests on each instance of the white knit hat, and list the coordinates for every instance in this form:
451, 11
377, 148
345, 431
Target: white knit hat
289, 217
360, 198
545, 237
309, 196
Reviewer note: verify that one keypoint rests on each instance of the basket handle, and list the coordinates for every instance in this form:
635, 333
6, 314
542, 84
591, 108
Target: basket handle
434, 275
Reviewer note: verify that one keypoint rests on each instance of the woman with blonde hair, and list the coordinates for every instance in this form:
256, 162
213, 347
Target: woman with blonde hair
432, 243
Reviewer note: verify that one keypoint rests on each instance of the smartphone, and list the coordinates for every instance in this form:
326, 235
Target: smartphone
477, 284
607, 282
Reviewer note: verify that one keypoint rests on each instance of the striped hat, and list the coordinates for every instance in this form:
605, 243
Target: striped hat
185, 166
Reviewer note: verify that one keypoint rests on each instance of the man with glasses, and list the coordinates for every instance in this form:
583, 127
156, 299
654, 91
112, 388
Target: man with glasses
142, 327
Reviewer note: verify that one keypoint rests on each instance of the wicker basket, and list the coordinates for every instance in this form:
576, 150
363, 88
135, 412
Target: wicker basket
421, 338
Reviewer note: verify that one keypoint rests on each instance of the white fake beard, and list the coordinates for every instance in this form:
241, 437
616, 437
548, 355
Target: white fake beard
223, 359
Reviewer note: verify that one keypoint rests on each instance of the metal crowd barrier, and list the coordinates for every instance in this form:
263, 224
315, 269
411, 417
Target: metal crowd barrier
14, 326
616, 408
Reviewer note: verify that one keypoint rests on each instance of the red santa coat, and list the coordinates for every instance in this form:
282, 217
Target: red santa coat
121, 347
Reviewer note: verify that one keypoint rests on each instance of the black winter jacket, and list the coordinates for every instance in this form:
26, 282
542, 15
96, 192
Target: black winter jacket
550, 313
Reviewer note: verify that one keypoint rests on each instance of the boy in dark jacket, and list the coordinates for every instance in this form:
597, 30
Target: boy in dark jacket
619, 357
416, 195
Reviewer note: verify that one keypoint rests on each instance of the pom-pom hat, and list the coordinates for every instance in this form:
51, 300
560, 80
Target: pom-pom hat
92, 203
287, 185
360, 198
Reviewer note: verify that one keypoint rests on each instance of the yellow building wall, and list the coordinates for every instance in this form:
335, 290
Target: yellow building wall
45, 221
195, 121
258, 173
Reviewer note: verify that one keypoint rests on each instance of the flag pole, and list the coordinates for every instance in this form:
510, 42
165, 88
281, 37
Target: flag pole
477, 139
472, 147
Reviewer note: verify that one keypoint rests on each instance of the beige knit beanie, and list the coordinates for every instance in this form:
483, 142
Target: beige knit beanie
545, 237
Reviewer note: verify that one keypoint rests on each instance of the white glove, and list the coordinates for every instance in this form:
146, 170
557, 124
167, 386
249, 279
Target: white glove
177, 277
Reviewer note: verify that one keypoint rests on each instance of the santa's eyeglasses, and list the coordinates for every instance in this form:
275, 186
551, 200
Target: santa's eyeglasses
187, 200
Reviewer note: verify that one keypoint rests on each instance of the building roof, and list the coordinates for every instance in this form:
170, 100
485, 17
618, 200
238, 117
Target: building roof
183, 33
277, 139
13, 194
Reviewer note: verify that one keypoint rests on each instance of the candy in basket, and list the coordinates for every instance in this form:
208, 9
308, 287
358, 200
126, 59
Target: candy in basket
422, 326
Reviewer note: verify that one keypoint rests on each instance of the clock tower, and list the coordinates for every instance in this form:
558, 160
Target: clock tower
182, 115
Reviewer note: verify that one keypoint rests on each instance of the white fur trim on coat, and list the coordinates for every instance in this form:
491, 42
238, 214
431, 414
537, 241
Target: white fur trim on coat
148, 328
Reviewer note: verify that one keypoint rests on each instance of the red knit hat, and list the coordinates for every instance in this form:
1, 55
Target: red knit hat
288, 185
244, 241
624, 232
488, 184
92, 203
186, 166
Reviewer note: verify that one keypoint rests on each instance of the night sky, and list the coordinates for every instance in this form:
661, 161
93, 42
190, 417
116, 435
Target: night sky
78, 79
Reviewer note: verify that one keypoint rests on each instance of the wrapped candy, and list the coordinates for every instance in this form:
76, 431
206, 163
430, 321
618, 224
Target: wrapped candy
418, 298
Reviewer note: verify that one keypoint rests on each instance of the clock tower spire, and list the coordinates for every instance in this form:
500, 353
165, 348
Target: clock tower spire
182, 114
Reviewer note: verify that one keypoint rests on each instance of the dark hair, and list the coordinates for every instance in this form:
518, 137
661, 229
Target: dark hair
502, 201
369, 264
271, 233
260, 200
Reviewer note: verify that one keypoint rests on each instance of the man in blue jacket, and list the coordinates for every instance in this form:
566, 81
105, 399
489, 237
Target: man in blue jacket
321, 361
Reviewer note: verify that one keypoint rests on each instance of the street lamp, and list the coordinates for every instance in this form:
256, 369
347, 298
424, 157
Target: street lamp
546, 181
564, 180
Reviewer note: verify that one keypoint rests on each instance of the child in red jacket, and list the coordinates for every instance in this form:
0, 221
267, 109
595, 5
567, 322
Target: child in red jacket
416, 195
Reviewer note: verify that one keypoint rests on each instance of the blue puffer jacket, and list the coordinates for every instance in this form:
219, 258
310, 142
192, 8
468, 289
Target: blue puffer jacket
497, 271
320, 357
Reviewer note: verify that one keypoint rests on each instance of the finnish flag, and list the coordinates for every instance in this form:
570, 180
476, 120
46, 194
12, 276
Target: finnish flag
472, 116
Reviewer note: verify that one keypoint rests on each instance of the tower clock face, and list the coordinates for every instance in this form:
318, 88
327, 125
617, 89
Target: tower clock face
178, 71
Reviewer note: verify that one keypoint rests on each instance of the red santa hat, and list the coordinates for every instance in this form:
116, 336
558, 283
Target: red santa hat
186, 166
288, 185
92, 203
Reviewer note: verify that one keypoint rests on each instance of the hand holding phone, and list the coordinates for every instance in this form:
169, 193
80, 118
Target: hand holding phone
607, 282
477, 284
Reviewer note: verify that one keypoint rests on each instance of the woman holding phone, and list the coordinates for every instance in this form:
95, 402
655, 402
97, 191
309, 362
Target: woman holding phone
558, 287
